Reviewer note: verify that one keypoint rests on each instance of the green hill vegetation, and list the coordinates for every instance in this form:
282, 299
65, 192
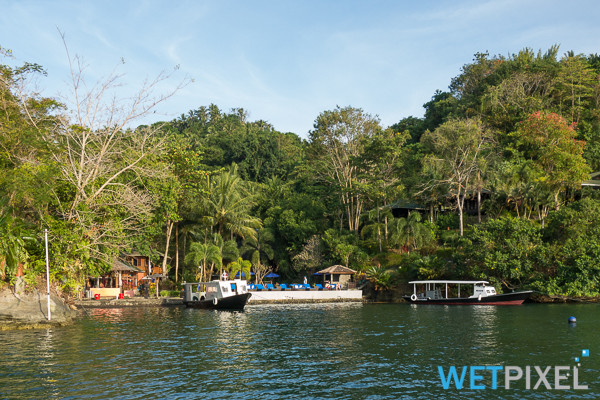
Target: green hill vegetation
488, 184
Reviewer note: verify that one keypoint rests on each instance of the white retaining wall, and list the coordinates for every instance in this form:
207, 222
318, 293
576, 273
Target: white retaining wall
304, 296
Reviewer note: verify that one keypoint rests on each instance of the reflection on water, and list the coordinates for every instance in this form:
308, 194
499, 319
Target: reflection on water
341, 351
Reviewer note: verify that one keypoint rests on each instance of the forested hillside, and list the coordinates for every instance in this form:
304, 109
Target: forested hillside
487, 184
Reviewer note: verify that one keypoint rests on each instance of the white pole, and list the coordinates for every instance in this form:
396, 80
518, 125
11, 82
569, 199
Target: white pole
47, 274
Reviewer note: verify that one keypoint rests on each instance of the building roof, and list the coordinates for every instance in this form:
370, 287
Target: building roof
134, 254
120, 266
407, 205
337, 269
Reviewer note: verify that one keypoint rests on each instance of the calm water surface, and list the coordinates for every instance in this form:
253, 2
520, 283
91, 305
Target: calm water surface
337, 351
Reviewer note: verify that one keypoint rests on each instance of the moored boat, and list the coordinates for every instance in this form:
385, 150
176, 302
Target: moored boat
482, 294
217, 295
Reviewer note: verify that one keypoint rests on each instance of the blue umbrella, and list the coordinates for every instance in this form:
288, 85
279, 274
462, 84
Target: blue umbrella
237, 275
271, 275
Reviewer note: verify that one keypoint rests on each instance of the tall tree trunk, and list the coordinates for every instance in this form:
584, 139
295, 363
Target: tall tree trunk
479, 196
379, 229
385, 219
169, 231
460, 201
176, 250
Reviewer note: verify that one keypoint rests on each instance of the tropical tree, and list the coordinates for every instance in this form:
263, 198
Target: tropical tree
377, 226
383, 170
336, 145
27, 177
340, 245
241, 266
575, 85
12, 246
260, 251
228, 251
455, 156
311, 255
228, 205
201, 254
409, 233
380, 278
550, 143
506, 251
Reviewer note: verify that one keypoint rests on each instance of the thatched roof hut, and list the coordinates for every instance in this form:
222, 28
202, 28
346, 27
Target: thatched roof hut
337, 269
338, 275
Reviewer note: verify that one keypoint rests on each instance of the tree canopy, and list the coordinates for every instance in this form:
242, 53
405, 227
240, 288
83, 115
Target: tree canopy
487, 184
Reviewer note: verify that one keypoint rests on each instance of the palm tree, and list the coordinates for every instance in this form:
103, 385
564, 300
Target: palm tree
409, 232
260, 251
242, 266
378, 226
227, 206
379, 278
228, 251
201, 254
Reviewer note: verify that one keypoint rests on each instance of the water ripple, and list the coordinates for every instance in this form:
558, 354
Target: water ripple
324, 351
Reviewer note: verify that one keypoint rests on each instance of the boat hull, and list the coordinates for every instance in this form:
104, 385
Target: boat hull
236, 302
505, 299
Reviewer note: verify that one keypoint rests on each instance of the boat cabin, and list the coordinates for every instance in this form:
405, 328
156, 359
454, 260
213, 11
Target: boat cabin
448, 293
439, 289
483, 291
199, 291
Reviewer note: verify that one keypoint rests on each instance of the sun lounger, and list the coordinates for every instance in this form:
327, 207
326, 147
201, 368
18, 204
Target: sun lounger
270, 286
259, 287
318, 286
283, 286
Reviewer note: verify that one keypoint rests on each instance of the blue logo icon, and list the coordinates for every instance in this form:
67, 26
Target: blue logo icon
584, 353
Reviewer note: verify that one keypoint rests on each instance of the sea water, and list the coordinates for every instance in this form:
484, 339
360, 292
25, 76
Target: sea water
318, 351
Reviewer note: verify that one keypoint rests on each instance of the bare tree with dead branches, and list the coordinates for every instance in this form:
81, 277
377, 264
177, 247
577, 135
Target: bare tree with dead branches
105, 161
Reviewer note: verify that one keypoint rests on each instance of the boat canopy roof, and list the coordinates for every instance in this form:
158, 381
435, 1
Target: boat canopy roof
449, 282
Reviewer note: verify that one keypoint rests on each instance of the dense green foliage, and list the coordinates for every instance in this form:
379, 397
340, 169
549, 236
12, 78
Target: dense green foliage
486, 185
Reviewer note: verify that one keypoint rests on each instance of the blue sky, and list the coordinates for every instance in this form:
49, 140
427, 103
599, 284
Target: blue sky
287, 61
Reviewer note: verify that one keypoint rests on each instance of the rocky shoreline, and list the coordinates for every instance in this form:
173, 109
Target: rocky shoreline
544, 298
30, 311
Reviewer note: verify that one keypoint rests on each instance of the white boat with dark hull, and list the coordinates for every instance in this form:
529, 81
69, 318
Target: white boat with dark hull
217, 295
436, 292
